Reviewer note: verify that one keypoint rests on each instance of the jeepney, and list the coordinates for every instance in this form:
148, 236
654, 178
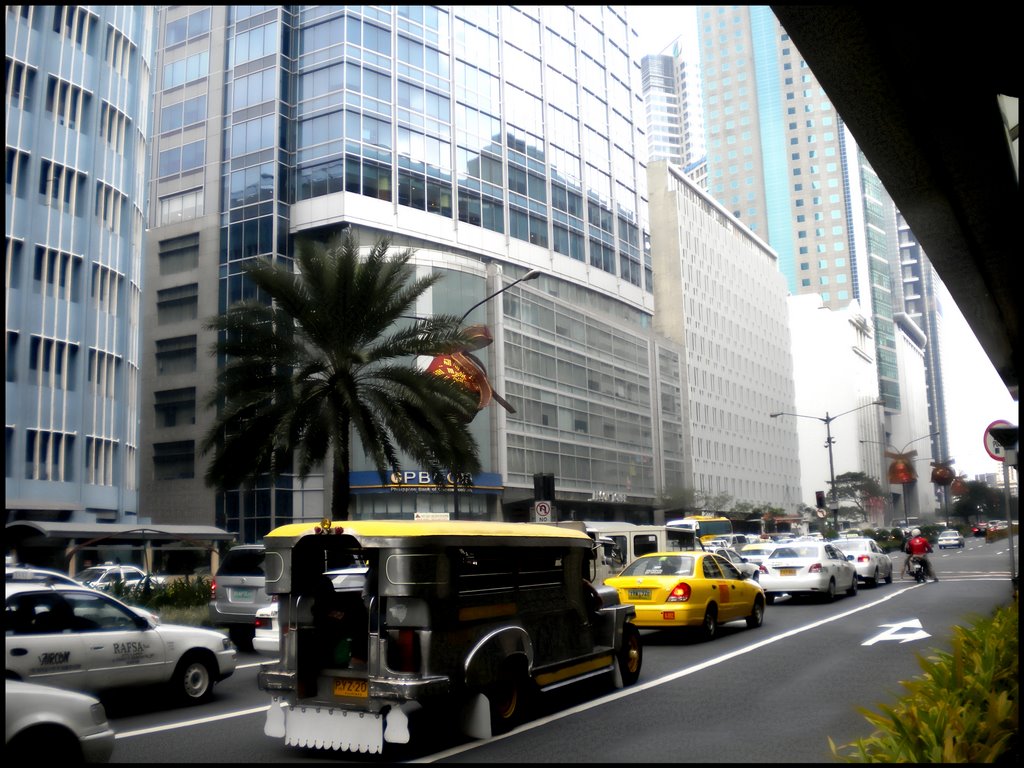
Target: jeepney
475, 617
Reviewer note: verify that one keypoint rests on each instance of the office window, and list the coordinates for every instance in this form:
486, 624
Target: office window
49, 456
174, 305
177, 355
100, 460
175, 407
57, 273
175, 460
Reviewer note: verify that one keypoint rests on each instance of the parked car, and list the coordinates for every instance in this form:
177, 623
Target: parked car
685, 589
807, 567
31, 573
950, 539
107, 575
979, 529
53, 726
745, 567
238, 591
871, 562
83, 639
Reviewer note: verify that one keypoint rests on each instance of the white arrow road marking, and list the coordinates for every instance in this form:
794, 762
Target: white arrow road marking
893, 632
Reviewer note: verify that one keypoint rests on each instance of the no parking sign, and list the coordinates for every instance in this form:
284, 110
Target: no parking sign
542, 512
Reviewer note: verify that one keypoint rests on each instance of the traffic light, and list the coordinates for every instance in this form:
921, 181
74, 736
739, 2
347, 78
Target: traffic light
543, 486
819, 499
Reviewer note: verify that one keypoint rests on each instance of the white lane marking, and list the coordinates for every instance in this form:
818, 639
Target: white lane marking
893, 632
188, 723
662, 680
564, 713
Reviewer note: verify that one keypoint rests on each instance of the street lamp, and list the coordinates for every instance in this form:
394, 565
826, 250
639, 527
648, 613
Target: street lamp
827, 420
533, 274
471, 370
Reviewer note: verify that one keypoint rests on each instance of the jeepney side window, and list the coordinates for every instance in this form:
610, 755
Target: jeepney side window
644, 543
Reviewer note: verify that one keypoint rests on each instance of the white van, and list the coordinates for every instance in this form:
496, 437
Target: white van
622, 543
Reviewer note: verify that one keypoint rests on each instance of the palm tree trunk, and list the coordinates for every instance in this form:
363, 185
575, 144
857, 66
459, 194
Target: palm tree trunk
341, 486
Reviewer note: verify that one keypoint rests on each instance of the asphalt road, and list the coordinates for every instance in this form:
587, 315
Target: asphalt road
772, 694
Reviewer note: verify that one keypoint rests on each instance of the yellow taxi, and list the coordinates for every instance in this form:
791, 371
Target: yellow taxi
688, 589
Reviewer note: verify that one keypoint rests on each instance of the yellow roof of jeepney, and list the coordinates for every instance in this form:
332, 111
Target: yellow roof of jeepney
390, 529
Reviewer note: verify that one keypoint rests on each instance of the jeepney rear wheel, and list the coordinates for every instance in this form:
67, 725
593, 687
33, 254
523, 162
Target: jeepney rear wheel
510, 698
630, 655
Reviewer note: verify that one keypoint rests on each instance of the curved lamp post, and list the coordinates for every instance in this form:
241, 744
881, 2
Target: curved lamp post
827, 420
465, 367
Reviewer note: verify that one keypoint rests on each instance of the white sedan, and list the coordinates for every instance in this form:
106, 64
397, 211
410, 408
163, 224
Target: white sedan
807, 567
82, 639
54, 726
267, 638
951, 539
748, 569
871, 562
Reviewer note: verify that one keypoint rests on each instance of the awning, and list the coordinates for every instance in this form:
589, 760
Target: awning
20, 530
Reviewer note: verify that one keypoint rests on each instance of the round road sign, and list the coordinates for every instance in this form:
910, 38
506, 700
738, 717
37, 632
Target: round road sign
995, 450
543, 510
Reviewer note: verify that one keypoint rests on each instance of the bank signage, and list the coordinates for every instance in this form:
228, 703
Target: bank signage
424, 481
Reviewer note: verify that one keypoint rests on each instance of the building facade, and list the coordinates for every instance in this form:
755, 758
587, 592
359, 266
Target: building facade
78, 130
492, 140
720, 295
781, 160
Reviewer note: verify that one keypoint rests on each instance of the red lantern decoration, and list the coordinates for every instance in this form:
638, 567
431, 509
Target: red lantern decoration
943, 473
902, 471
959, 486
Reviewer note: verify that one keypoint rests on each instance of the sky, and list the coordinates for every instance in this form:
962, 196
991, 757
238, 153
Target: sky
975, 395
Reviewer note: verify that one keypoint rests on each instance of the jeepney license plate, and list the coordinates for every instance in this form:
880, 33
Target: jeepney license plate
344, 686
639, 594
787, 571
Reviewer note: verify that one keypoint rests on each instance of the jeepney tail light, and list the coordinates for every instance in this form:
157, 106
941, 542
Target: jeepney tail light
403, 651
680, 593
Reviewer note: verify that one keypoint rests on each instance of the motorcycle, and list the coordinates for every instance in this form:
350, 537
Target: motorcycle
917, 570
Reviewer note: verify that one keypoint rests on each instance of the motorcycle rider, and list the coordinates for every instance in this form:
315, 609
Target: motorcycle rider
918, 546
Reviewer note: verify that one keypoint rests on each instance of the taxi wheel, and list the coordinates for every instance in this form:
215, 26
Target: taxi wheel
193, 679
709, 627
852, 591
509, 699
873, 581
888, 577
756, 617
830, 594
631, 655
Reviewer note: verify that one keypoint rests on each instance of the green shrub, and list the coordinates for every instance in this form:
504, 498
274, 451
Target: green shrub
964, 709
186, 592
194, 616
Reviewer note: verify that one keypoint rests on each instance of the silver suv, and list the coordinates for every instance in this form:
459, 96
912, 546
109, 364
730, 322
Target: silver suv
238, 592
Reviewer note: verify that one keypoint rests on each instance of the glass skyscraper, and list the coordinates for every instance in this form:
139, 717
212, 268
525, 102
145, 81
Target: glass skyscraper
78, 128
492, 140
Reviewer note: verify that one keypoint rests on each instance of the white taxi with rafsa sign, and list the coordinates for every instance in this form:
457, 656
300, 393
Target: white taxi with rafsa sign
82, 639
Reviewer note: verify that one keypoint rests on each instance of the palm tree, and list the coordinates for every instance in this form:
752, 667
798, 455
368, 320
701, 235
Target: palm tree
334, 355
